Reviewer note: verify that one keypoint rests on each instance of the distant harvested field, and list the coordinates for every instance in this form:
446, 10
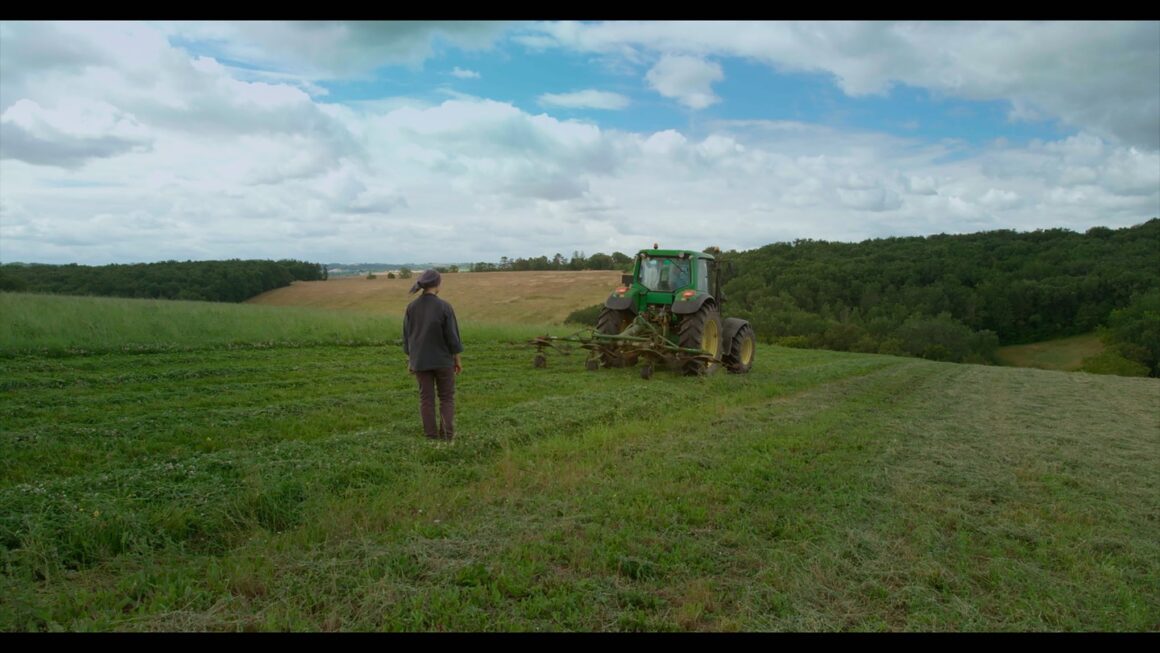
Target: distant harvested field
1063, 354
493, 297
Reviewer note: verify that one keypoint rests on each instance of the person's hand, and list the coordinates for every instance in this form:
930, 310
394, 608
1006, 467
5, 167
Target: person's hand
458, 364
410, 370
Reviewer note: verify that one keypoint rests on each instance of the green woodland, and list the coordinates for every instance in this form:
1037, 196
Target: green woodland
957, 298
216, 281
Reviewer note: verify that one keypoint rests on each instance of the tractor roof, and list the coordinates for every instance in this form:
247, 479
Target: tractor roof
676, 252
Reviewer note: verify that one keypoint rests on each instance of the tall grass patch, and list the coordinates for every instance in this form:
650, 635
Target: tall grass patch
1065, 354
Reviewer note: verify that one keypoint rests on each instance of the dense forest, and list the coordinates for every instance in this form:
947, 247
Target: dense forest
955, 298
219, 281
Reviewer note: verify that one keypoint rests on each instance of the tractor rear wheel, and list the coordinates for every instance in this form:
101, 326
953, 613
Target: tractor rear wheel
613, 322
702, 330
741, 351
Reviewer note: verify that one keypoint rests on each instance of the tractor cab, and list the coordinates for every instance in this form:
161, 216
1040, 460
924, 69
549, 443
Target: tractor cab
665, 273
681, 280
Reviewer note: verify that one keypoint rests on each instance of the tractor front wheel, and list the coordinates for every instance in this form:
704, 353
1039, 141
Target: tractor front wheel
741, 351
702, 330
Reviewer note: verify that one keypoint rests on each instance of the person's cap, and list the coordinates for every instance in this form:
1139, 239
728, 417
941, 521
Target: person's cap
429, 279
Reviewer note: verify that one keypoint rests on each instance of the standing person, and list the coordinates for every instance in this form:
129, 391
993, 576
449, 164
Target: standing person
431, 342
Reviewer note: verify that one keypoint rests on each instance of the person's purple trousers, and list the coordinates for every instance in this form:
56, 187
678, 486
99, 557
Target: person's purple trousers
439, 382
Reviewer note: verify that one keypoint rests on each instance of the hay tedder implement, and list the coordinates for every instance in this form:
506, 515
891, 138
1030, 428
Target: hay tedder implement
665, 314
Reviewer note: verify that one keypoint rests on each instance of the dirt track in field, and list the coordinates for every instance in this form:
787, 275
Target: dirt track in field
497, 297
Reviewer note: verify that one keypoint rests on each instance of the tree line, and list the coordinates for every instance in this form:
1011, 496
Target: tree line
578, 261
955, 297
232, 280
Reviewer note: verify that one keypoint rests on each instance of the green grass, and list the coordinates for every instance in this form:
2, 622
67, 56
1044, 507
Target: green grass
209, 483
50, 324
1064, 354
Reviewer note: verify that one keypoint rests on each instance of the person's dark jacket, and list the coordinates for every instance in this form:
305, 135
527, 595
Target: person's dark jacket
430, 333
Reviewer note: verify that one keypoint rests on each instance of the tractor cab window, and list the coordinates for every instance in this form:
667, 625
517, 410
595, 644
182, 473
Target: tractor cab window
662, 274
703, 277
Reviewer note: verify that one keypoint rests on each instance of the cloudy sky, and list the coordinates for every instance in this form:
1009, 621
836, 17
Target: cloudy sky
459, 142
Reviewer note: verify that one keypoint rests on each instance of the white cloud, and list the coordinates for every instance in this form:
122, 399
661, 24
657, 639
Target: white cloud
689, 80
464, 74
586, 99
1102, 77
922, 185
67, 135
136, 90
1132, 172
477, 180
331, 49
664, 142
997, 197
873, 199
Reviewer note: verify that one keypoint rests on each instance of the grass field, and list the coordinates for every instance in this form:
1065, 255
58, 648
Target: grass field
1064, 354
491, 297
223, 468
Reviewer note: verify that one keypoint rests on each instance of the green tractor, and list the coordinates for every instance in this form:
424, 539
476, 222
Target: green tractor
666, 313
